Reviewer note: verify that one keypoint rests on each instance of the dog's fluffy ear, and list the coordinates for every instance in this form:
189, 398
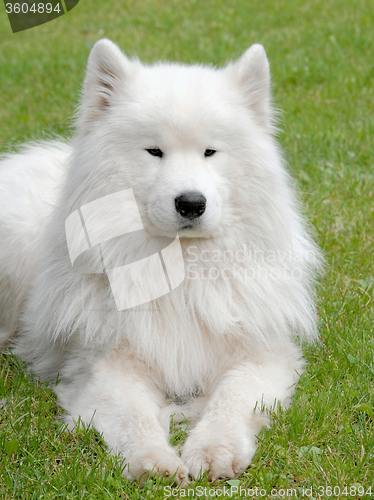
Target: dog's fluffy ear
252, 72
107, 71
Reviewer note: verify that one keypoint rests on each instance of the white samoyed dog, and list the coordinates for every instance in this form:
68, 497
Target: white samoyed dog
192, 148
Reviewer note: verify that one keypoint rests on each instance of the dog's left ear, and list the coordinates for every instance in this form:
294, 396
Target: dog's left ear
251, 71
108, 71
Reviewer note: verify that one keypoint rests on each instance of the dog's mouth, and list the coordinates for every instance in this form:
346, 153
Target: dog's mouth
185, 229
193, 231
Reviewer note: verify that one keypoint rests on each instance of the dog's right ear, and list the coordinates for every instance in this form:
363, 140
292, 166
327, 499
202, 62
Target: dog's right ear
251, 71
107, 71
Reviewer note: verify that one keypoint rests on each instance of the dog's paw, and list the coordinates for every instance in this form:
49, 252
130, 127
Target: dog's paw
222, 452
159, 461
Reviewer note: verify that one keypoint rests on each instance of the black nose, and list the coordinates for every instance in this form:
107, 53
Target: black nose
190, 205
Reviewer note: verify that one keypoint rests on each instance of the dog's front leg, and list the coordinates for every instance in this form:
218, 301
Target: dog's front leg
224, 441
122, 401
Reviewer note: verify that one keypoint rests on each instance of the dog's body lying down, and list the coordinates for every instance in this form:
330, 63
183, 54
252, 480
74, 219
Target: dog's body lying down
195, 147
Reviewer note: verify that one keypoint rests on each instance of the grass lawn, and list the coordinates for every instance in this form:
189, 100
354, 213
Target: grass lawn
322, 61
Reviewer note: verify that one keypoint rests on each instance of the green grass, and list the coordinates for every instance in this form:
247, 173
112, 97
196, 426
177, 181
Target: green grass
322, 61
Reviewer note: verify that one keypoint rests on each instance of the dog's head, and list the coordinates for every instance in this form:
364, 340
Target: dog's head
186, 139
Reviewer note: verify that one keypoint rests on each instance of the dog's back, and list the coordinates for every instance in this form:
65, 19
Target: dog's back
30, 183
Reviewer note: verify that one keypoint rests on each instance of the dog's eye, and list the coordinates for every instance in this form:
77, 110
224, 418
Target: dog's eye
209, 152
155, 152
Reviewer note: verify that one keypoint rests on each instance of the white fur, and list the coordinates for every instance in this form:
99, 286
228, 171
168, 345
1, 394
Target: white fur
221, 343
